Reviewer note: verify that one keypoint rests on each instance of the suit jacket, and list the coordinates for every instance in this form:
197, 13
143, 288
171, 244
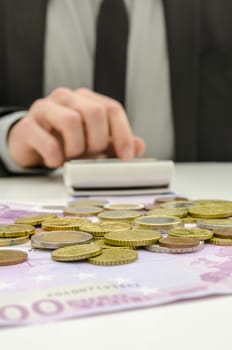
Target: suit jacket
199, 35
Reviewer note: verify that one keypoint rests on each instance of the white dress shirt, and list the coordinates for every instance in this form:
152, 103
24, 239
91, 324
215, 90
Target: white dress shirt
69, 61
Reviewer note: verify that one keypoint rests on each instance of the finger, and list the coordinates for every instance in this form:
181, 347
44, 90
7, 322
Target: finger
31, 145
139, 146
121, 133
66, 121
94, 116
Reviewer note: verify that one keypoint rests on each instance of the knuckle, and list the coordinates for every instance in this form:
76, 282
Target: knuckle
115, 106
38, 104
83, 90
61, 93
98, 112
72, 119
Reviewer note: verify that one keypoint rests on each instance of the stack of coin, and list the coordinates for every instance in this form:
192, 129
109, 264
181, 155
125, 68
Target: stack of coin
176, 245
201, 234
15, 234
132, 238
35, 220
222, 236
212, 211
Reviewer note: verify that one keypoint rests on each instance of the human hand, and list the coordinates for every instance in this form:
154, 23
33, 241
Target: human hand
71, 124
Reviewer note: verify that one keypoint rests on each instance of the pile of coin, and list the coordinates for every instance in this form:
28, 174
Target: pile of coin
112, 233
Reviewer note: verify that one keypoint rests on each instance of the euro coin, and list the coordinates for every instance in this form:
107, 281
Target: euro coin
16, 230
179, 212
34, 219
103, 245
101, 228
221, 241
121, 215
82, 211
158, 222
70, 223
114, 256
214, 223
161, 200
59, 239
123, 206
213, 202
88, 203
12, 257
189, 220
178, 204
223, 233
132, 238
201, 234
210, 212
156, 248
178, 242
4, 242
76, 252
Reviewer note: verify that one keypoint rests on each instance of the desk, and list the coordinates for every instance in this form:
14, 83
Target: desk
195, 324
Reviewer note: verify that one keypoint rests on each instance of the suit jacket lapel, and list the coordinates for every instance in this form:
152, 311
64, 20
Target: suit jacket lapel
25, 31
183, 29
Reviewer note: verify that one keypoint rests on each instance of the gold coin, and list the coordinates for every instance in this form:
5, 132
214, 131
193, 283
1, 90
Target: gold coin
213, 202
70, 223
221, 241
214, 223
123, 206
59, 239
16, 230
122, 215
4, 242
178, 204
76, 252
114, 256
201, 234
211, 211
34, 219
161, 200
12, 257
88, 203
132, 238
178, 242
103, 245
103, 227
82, 211
223, 233
179, 212
189, 220
158, 222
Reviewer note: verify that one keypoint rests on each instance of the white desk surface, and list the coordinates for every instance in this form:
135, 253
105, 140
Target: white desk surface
195, 324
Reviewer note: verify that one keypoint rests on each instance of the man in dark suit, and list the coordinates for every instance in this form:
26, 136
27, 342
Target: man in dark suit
199, 39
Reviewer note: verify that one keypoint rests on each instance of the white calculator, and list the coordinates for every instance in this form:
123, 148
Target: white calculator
118, 177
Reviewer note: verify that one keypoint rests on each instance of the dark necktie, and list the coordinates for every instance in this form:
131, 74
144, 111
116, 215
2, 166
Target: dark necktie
111, 49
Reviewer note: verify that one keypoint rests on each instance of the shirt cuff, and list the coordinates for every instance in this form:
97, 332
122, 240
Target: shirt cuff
6, 122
